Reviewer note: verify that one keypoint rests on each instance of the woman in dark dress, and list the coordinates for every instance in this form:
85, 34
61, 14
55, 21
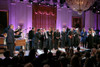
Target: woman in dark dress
90, 40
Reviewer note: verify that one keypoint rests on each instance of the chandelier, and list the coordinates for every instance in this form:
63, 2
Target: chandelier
80, 5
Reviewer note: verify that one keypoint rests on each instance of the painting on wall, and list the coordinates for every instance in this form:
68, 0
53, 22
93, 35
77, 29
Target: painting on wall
77, 22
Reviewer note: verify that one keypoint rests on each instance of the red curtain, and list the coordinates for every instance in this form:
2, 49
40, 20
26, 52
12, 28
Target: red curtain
44, 16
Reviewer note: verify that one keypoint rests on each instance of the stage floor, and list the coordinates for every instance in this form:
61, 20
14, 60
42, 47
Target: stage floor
26, 53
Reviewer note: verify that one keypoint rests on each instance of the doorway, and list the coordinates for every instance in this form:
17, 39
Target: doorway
3, 20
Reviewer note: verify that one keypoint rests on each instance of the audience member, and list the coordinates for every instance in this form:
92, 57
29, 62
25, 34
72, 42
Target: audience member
48, 59
28, 65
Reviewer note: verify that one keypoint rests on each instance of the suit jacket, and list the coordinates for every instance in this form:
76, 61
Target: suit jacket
71, 33
57, 34
37, 37
49, 34
42, 36
31, 34
10, 37
63, 36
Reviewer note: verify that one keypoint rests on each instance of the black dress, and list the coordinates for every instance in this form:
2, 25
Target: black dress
90, 41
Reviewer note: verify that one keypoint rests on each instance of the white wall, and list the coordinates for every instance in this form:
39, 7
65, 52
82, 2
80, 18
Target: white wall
21, 13
64, 18
89, 20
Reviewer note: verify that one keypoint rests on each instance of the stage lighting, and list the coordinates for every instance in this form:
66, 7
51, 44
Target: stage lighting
98, 11
94, 11
94, 7
42, 0
21, 0
54, 5
62, 1
39, 3
47, 4
68, 7
61, 5
30, 0
47, 0
55, 1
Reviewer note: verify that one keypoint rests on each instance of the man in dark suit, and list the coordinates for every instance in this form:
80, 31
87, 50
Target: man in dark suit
90, 40
63, 38
10, 40
45, 38
76, 38
37, 39
49, 35
42, 39
56, 38
70, 38
31, 36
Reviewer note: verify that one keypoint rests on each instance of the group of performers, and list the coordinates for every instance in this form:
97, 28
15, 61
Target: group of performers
50, 39
67, 37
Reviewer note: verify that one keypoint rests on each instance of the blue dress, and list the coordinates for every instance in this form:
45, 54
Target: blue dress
83, 36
